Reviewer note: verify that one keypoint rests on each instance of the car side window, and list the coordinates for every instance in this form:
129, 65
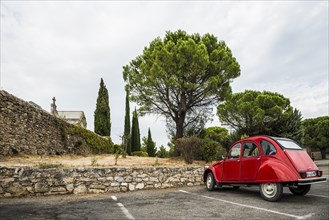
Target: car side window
250, 150
235, 152
268, 148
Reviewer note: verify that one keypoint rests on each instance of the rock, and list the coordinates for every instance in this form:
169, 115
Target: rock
70, 187
140, 186
131, 187
41, 187
80, 189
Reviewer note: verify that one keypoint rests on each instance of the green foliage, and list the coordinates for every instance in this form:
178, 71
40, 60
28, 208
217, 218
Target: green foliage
102, 121
266, 113
150, 145
181, 77
92, 141
316, 134
211, 150
162, 152
135, 134
139, 154
117, 148
93, 160
126, 132
189, 147
49, 165
218, 134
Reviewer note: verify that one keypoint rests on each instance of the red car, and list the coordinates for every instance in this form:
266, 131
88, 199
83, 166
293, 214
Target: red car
270, 162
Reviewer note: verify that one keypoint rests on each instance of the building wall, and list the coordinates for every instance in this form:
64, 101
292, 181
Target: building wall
25, 181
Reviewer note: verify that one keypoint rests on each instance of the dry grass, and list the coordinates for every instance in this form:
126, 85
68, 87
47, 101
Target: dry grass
104, 160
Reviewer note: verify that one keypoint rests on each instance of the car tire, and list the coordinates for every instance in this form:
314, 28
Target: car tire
300, 190
210, 182
271, 191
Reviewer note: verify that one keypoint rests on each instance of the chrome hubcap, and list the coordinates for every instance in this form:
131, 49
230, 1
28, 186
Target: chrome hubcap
269, 189
209, 181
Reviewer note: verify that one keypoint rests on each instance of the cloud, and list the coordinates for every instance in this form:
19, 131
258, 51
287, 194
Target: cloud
63, 48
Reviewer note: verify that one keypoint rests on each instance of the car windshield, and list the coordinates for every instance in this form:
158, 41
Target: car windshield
289, 144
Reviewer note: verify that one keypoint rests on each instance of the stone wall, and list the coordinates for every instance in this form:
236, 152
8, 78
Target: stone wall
26, 129
25, 181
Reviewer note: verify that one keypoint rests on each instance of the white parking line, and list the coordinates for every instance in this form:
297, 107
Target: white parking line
125, 211
123, 208
318, 195
253, 207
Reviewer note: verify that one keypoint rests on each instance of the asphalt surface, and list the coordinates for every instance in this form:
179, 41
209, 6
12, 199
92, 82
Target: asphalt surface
178, 203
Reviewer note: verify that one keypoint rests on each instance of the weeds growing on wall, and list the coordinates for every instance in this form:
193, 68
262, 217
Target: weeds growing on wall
96, 143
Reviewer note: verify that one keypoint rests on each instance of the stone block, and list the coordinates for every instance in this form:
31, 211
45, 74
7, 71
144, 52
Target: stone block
140, 186
80, 189
131, 187
41, 187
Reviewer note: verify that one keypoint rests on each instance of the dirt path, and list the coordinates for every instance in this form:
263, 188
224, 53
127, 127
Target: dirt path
105, 160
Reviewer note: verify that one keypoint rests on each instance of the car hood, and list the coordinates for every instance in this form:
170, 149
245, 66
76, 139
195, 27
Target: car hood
301, 160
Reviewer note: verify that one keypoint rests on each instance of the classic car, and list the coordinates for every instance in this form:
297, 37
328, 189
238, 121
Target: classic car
270, 162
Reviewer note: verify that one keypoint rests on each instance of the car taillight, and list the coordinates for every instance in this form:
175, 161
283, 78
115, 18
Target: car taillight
302, 173
319, 173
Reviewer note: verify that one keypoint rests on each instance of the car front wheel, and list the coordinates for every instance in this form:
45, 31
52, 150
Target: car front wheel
300, 190
210, 182
271, 191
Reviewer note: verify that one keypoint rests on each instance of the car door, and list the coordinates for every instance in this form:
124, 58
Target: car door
231, 165
250, 161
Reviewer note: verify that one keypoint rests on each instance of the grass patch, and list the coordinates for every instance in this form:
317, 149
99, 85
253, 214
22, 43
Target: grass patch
50, 165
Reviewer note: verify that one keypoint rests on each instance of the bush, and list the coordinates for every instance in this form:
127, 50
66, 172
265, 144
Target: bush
96, 143
189, 147
162, 152
211, 150
139, 154
118, 148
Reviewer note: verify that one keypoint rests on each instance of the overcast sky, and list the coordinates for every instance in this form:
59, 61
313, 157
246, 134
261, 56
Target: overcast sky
62, 49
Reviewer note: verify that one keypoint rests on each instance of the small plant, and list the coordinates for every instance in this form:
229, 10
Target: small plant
116, 158
93, 160
156, 163
49, 165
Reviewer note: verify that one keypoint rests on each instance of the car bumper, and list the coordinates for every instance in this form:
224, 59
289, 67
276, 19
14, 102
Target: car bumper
309, 181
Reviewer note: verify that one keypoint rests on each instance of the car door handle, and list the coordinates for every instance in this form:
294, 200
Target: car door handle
258, 158
238, 161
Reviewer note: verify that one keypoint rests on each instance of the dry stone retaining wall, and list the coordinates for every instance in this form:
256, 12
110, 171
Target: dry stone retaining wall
26, 181
26, 129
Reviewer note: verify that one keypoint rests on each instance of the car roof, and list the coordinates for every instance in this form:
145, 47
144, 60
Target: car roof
254, 138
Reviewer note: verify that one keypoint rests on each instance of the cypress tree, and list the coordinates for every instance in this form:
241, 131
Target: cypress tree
150, 147
135, 133
102, 118
126, 132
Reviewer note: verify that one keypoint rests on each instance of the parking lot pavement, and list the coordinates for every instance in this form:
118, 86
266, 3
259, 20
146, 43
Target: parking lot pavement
178, 203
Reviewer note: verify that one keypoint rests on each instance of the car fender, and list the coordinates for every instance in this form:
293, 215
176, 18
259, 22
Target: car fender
216, 170
274, 170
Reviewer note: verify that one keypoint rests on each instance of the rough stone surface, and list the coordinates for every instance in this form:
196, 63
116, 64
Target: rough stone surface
26, 181
39, 132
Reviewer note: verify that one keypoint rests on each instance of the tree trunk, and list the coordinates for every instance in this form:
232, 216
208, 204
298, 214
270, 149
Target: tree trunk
323, 153
179, 132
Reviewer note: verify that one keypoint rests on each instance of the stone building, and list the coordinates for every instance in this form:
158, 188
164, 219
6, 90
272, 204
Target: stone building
72, 117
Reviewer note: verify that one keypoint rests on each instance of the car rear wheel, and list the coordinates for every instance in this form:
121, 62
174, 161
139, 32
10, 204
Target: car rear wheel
210, 182
271, 191
300, 190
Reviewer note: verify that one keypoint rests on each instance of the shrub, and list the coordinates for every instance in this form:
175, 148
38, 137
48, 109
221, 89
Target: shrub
139, 154
190, 147
211, 150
